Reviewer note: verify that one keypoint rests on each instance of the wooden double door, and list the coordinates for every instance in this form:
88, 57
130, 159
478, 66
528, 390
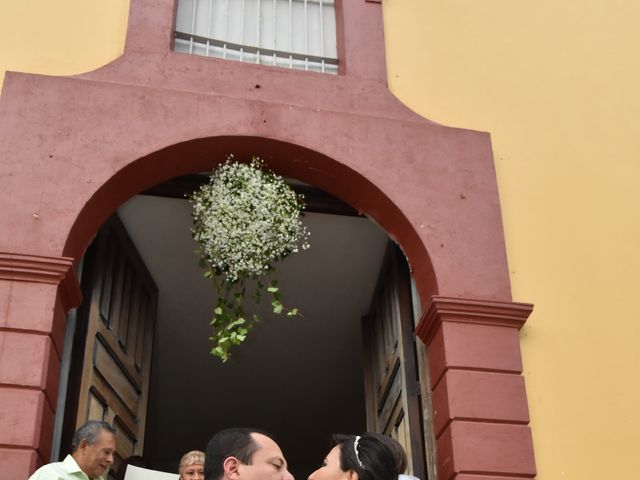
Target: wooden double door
113, 342
392, 386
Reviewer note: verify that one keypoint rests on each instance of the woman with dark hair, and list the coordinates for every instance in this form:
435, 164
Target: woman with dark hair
370, 456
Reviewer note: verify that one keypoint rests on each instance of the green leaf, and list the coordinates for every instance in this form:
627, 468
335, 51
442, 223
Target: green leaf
277, 309
219, 352
218, 322
273, 289
239, 321
218, 311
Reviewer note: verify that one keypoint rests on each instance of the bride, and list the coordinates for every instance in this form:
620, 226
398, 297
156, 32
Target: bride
371, 456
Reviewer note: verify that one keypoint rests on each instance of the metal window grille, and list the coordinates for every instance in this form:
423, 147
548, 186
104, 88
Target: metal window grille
298, 34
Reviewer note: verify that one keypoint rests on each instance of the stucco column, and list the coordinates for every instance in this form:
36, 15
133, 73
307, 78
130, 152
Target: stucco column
35, 294
480, 407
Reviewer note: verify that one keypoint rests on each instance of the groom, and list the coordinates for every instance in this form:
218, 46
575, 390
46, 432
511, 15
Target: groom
244, 454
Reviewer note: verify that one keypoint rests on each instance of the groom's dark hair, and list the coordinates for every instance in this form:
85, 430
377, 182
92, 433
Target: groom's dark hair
232, 442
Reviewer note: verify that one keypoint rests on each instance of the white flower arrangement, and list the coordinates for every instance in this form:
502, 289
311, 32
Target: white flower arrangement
245, 219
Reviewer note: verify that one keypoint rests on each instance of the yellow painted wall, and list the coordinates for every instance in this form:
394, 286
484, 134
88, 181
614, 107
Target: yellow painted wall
557, 85
61, 37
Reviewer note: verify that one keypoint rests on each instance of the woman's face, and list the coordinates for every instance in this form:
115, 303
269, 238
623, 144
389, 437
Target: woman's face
192, 472
330, 469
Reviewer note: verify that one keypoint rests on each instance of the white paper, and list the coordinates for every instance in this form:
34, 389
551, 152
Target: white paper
138, 473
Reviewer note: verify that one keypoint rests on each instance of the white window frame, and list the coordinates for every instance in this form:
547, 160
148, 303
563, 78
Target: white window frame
295, 34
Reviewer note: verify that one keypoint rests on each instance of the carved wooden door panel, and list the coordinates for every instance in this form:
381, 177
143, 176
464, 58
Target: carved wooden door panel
120, 326
391, 379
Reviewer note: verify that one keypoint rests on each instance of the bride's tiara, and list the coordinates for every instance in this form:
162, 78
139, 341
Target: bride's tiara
355, 449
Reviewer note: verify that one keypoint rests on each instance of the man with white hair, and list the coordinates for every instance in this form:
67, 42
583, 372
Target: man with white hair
92, 446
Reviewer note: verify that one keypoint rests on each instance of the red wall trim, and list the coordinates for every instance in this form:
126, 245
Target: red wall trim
34, 268
479, 401
485, 449
20, 407
473, 395
439, 309
21, 462
43, 269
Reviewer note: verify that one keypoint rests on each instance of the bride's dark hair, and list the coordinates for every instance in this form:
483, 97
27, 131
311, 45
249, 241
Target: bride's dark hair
373, 456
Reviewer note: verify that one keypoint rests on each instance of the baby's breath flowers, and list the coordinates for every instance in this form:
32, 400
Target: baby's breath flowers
245, 219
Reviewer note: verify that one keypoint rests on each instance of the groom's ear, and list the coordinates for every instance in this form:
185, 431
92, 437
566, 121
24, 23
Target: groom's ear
353, 475
230, 467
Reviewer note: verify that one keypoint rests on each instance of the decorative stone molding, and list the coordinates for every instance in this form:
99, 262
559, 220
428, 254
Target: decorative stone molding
481, 417
40, 269
459, 310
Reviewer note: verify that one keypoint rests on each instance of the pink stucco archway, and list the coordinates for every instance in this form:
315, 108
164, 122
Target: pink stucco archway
73, 149
291, 160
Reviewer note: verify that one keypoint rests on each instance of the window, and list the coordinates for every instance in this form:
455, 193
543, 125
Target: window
298, 34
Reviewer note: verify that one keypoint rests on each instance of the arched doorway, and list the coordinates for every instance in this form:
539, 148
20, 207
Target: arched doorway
287, 159
301, 378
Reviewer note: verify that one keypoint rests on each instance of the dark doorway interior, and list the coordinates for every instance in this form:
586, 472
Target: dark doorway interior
301, 378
